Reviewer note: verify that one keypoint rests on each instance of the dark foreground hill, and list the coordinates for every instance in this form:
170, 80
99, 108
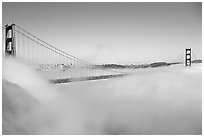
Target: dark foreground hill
16, 103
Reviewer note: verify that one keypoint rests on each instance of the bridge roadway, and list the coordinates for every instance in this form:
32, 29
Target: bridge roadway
66, 80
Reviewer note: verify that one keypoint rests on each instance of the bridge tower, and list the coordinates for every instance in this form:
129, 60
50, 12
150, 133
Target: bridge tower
188, 57
10, 47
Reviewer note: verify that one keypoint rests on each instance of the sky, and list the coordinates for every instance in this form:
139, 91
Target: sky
113, 32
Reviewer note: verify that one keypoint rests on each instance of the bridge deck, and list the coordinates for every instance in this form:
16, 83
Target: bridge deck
66, 80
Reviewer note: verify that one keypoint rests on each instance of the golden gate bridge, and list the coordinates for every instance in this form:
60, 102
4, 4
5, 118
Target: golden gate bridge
57, 65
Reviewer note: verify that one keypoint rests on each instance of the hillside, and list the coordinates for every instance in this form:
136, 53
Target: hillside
133, 66
16, 103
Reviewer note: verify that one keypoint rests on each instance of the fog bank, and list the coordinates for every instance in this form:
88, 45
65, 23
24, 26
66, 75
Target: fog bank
165, 100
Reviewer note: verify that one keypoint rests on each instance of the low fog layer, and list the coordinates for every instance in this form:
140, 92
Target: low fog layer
166, 100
